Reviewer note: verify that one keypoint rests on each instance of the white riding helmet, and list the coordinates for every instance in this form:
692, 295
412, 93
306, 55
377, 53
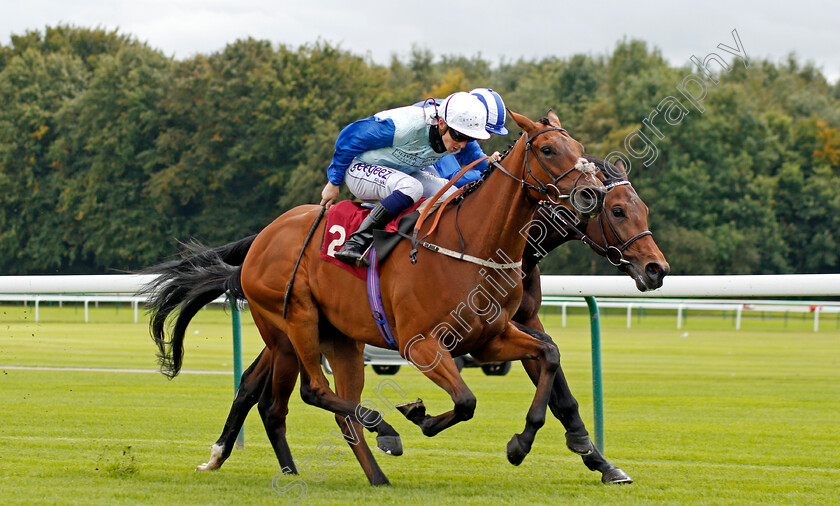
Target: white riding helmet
465, 114
495, 110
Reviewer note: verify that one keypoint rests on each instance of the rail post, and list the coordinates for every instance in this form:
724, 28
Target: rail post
237, 360
597, 385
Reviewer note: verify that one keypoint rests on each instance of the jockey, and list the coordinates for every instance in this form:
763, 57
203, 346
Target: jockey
387, 157
448, 166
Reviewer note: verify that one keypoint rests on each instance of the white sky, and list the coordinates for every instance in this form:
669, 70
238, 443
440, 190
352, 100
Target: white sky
493, 29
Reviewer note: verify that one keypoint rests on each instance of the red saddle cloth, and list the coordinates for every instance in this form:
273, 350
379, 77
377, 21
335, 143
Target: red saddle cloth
342, 220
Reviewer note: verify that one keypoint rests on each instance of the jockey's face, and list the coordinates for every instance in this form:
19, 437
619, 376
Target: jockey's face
455, 143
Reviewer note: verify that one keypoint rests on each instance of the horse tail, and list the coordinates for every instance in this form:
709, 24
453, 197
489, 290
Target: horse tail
183, 286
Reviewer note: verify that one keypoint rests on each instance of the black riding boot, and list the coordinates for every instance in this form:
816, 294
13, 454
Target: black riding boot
354, 249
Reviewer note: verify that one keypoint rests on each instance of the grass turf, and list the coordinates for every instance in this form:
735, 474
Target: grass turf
704, 414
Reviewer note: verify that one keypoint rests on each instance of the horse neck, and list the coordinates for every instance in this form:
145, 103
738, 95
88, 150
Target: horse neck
555, 233
494, 215
559, 232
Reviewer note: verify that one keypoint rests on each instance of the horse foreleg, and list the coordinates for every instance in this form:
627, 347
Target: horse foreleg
565, 408
253, 380
349, 374
562, 403
517, 342
438, 366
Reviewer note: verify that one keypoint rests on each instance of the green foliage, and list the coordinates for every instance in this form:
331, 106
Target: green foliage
109, 151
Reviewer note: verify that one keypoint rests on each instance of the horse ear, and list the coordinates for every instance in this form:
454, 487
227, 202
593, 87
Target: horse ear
552, 118
619, 164
524, 123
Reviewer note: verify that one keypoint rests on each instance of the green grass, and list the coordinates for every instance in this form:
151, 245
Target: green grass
704, 414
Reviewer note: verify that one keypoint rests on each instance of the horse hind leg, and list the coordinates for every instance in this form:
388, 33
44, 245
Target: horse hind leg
316, 392
253, 380
349, 376
302, 330
274, 402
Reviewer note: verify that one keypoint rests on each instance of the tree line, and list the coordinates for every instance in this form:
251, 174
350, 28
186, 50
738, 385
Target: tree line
110, 151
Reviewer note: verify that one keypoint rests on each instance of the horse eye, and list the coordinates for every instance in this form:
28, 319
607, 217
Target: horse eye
545, 150
618, 212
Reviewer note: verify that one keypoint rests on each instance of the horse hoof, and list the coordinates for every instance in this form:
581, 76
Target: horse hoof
515, 453
392, 445
616, 476
580, 445
216, 459
414, 411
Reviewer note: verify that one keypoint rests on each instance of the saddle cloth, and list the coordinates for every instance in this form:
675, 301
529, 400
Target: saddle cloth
345, 217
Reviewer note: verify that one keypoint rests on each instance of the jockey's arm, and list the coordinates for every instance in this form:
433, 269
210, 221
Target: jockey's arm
356, 138
448, 167
470, 153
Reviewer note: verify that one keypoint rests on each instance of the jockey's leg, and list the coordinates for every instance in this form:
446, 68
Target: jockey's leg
432, 182
395, 190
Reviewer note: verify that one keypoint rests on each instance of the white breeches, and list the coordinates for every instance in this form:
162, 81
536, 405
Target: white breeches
375, 182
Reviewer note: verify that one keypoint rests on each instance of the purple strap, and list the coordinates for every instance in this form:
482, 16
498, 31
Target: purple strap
375, 298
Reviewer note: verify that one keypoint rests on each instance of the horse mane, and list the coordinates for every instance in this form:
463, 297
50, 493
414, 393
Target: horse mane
611, 173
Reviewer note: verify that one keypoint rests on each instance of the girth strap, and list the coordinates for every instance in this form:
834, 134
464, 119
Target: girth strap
375, 299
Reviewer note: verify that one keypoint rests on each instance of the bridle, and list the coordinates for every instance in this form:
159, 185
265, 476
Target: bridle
545, 189
550, 190
614, 254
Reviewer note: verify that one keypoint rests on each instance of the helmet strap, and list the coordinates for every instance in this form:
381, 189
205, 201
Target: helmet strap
436, 139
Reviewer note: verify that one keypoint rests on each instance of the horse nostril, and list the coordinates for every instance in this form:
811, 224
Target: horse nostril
655, 271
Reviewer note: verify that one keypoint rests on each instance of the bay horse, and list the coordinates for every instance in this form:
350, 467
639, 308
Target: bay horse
329, 305
644, 263
624, 216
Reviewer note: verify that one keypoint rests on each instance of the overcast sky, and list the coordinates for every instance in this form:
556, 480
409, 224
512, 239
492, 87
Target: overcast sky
493, 29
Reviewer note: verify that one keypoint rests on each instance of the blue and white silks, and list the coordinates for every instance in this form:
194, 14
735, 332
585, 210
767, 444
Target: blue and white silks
396, 138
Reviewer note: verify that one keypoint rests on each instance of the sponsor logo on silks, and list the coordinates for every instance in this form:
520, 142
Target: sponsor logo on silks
414, 160
371, 170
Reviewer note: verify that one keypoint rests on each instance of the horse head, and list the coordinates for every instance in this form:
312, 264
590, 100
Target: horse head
621, 231
560, 174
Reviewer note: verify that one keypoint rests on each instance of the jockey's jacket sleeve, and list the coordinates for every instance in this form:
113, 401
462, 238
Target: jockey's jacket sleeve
448, 166
470, 153
356, 138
